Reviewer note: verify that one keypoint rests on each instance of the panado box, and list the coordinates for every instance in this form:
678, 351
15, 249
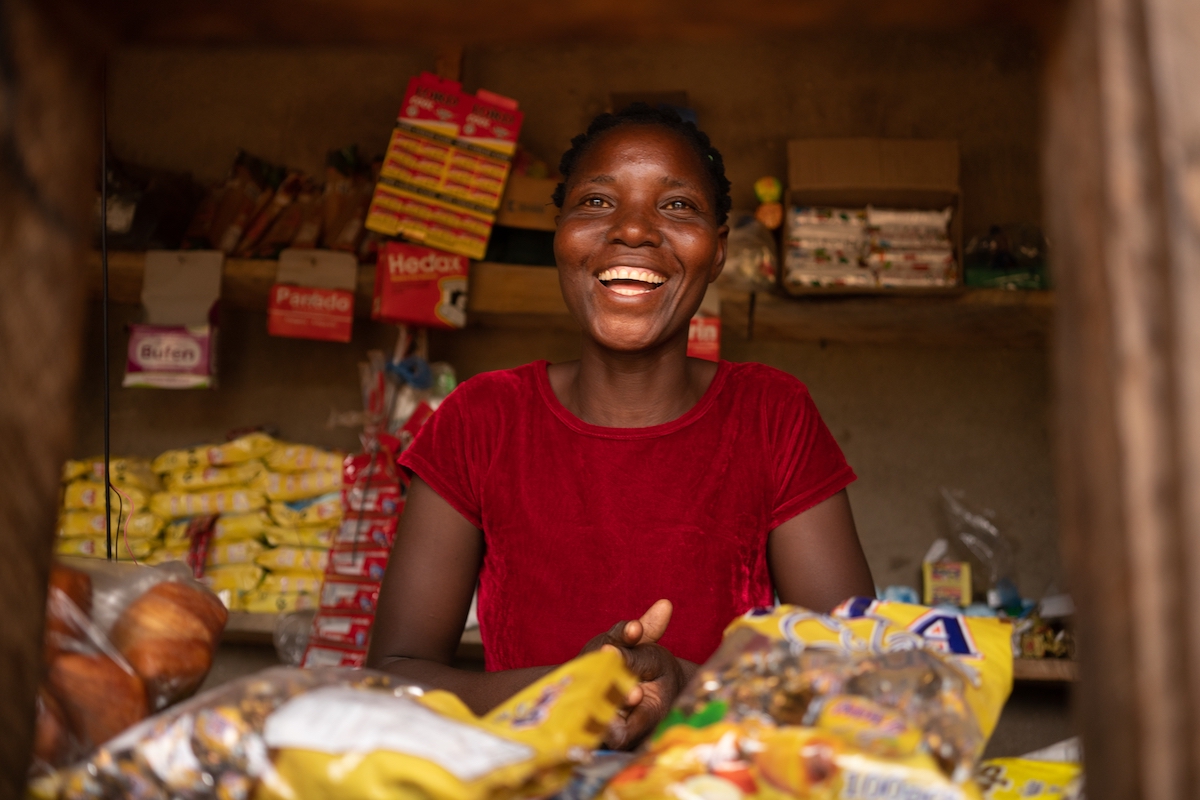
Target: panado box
313, 296
420, 286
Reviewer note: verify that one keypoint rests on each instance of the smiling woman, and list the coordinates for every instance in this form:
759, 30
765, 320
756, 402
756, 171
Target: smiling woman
637, 498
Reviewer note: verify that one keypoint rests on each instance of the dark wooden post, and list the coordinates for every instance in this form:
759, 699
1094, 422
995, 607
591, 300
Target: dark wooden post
1122, 179
49, 137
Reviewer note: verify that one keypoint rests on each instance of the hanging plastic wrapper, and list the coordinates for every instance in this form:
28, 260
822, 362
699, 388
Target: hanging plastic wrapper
876, 696
979, 533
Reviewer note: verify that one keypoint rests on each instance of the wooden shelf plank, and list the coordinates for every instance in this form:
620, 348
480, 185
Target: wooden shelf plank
514, 296
1045, 670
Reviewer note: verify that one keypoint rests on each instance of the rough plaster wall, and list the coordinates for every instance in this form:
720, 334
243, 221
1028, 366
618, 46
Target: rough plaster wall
910, 419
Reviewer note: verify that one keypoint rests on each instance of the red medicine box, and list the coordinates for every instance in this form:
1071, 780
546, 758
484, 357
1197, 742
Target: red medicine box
420, 286
313, 297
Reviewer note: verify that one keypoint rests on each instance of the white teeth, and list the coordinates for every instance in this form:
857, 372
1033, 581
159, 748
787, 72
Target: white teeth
630, 274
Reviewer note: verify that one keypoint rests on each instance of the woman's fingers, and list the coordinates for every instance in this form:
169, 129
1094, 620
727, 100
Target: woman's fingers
654, 622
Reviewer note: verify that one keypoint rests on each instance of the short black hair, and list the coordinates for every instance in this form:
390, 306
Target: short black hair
643, 114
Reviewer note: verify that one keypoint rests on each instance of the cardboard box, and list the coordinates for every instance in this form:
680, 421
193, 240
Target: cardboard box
313, 295
527, 204
419, 286
887, 173
176, 347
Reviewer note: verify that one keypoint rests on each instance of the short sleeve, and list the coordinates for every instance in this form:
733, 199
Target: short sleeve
809, 465
446, 454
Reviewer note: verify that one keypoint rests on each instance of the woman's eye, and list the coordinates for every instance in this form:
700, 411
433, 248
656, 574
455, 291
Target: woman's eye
594, 202
679, 205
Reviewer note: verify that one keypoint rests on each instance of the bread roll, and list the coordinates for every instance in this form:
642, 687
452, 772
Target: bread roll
99, 698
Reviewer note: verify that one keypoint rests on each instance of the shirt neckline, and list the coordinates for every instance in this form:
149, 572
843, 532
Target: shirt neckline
541, 371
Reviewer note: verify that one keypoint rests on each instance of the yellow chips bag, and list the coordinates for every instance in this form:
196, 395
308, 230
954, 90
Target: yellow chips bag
236, 552
300, 537
162, 555
205, 478
139, 524
122, 472
172, 505
323, 510
289, 583
97, 547
1026, 779
303, 458
245, 448
89, 495
294, 559
261, 601
233, 578
289, 486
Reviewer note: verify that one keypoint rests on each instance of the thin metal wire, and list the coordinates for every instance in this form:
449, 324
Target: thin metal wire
108, 539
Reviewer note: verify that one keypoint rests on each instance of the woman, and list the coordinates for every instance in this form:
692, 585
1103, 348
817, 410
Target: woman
634, 484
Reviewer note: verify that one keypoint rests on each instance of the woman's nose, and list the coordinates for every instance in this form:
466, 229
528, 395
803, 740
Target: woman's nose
635, 225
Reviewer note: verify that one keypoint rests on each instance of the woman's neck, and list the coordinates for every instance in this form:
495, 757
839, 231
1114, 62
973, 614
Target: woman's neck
617, 390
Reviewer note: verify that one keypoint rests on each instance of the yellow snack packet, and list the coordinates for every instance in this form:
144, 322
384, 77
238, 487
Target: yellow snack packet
162, 555
261, 601
288, 486
869, 726
205, 478
89, 495
236, 552
299, 559
338, 743
123, 472
172, 505
245, 448
326, 509
291, 583
981, 647
300, 537
303, 458
1026, 779
96, 547
233, 578
139, 524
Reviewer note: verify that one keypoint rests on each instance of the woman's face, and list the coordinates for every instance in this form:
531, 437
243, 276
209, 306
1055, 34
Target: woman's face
637, 241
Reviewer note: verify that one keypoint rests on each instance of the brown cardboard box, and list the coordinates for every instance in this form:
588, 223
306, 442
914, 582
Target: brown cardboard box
526, 203
887, 173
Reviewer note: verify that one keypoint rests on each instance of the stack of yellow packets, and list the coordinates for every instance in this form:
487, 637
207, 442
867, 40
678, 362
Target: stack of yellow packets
81, 524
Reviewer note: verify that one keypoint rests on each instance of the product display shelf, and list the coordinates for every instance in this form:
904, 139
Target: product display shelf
246, 628
515, 296
1045, 670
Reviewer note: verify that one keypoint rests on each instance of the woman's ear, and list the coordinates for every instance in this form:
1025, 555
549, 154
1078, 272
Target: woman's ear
719, 256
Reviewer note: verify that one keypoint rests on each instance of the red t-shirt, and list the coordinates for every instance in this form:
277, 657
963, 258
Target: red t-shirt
585, 525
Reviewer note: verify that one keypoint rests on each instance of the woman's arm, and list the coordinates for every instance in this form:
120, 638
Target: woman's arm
424, 601
816, 559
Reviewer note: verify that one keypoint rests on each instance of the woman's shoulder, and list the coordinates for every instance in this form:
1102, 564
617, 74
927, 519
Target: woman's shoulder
753, 381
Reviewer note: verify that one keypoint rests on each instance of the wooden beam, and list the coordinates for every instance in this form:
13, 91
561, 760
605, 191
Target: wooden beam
49, 137
1116, 178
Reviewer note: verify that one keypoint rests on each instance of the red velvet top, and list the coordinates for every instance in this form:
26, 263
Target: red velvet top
586, 525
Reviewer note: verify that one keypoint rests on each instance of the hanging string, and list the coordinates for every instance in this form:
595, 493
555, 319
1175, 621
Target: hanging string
108, 537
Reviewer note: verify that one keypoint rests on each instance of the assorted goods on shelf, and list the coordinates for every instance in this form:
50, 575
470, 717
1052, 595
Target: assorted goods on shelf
875, 700
120, 643
253, 518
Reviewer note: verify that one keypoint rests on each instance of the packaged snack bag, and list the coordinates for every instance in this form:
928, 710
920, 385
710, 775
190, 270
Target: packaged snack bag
312, 536
231, 527
369, 532
97, 547
322, 733
262, 601
303, 458
162, 555
323, 510
290, 486
284, 583
343, 594
205, 478
122, 472
294, 559
172, 505
245, 448
1026, 779
238, 552
355, 563
89, 495
382, 500
139, 525
233, 578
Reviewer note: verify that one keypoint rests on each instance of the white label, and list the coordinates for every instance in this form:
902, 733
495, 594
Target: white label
327, 626
339, 720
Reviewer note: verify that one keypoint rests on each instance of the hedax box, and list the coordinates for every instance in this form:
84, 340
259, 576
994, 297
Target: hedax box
420, 286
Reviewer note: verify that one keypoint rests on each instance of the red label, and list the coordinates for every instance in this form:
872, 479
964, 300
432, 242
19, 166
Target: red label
352, 630
369, 470
305, 312
367, 532
340, 594
704, 338
420, 286
384, 499
333, 655
358, 563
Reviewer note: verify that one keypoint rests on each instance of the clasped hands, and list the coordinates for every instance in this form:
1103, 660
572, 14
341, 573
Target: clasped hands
661, 675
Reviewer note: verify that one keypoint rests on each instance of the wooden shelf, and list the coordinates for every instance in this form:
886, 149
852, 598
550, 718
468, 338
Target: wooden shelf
513, 296
1045, 670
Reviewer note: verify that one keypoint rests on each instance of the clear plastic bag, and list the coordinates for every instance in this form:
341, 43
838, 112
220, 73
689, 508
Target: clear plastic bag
752, 258
978, 532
